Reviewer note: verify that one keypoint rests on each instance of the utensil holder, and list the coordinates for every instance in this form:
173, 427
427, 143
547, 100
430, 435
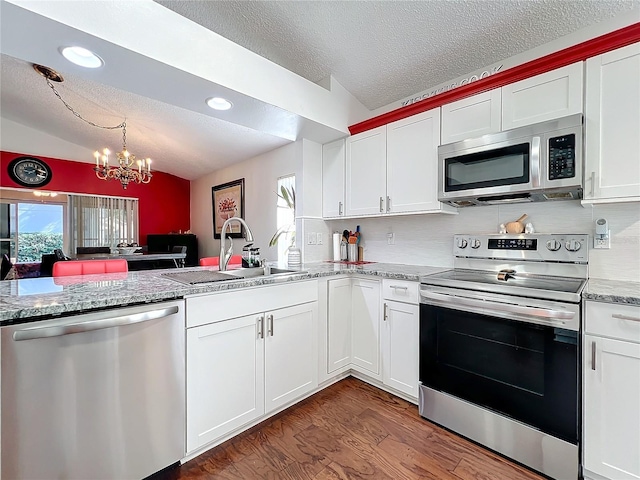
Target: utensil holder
352, 252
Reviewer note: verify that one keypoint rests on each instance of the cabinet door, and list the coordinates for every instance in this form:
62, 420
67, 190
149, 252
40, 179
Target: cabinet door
612, 111
367, 172
333, 158
544, 97
365, 326
412, 163
400, 340
612, 408
339, 324
225, 385
472, 117
291, 358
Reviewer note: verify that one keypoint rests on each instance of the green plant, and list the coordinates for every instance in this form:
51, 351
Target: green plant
288, 194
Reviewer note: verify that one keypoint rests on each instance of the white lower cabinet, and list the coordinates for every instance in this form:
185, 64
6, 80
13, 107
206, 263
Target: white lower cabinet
400, 336
290, 357
240, 369
225, 379
400, 359
365, 326
338, 324
353, 326
611, 374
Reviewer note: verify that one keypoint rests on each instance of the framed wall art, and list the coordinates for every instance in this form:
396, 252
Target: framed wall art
228, 201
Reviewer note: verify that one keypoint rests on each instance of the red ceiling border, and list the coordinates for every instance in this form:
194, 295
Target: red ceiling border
576, 53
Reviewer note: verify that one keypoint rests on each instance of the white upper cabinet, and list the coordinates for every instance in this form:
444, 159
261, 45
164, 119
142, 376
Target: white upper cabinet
550, 95
612, 126
333, 157
412, 163
472, 117
394, 168
366, 161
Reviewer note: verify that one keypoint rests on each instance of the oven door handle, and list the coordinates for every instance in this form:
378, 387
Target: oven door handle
557, 315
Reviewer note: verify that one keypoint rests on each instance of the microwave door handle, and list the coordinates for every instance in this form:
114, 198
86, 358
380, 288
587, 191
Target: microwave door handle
535, 161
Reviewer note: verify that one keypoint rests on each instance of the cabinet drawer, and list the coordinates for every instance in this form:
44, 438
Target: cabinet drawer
218, 306
400, 290
612, 320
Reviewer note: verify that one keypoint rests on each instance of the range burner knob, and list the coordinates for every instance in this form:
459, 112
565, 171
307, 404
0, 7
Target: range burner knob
462, 243
475, 243
572, 245
554, 245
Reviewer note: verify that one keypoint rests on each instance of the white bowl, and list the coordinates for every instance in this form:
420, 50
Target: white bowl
127, 250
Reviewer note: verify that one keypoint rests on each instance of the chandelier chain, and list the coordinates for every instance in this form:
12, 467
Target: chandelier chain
123, 125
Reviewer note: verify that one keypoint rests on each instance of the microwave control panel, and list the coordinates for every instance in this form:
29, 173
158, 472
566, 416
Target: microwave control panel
562, 157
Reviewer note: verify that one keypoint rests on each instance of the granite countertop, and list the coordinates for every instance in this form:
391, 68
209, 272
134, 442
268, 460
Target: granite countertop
32, 299
612, 291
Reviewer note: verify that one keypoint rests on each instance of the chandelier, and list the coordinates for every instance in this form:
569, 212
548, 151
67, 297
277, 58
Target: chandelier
125, 172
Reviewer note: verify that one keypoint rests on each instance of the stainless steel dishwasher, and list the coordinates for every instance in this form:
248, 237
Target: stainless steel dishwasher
99, 395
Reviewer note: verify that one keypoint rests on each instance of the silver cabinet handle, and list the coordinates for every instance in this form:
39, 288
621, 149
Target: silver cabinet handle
399, 287
260, 321
91, 325
625, 317
381, 204
593, 184
385, 316
270, 325
535, 161
340, 208
593, 355
388, 204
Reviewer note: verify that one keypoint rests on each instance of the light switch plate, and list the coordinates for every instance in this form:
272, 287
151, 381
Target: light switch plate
319, 238
311, 238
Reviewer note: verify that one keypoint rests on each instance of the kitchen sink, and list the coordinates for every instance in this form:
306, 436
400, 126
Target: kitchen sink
257, 272
209, 276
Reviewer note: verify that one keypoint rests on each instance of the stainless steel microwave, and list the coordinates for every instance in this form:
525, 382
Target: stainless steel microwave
527, 164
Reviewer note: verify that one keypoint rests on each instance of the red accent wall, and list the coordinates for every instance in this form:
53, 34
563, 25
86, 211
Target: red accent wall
164, 204
576, 53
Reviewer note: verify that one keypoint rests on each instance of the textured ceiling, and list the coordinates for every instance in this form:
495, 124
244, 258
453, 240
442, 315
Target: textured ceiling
383, 51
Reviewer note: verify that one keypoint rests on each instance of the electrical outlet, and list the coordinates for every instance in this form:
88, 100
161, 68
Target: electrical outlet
311, 238
602, 242
391, 238
319, 238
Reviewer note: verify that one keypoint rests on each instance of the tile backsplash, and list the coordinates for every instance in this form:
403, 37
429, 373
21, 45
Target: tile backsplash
427, 239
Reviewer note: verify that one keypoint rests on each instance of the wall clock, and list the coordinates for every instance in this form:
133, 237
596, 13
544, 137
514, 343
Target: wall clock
29, 172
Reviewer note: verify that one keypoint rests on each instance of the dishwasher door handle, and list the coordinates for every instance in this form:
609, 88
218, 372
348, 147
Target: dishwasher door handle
91, 325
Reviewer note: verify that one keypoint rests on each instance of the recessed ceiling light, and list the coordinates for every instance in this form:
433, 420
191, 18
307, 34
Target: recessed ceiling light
219, 103
82, 56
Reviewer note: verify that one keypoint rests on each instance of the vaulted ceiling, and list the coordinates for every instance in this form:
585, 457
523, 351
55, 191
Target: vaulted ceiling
379, 51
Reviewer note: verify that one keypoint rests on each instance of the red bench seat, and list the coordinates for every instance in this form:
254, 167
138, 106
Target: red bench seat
88, 267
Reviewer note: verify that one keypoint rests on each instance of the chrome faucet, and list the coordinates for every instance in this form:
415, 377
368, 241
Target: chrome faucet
226, 256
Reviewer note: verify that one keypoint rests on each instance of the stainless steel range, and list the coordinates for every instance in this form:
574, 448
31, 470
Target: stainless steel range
499, 349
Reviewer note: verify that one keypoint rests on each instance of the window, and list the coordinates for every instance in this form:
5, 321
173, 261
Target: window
102, 221
286, 220
30, 229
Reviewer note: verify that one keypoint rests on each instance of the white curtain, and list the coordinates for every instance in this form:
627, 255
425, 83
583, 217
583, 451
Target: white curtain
102, 221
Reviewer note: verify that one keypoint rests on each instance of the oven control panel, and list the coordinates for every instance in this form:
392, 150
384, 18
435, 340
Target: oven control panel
569, 248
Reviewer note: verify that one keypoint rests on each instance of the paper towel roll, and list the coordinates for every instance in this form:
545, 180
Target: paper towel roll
336, 247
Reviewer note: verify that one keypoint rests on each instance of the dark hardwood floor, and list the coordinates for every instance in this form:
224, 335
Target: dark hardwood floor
350, 430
